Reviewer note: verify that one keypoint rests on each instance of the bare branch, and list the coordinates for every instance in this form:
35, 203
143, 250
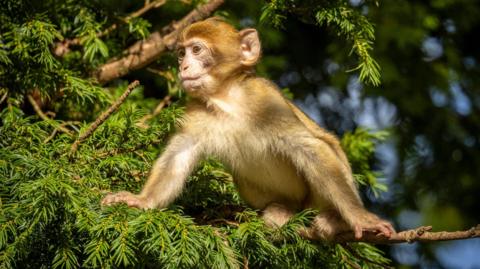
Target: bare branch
146, 51
62, 125
44, 117
145, 8
4, 96
225, 221
142, 123
114, 152
104, 116
245, 262
349, 262
421, 234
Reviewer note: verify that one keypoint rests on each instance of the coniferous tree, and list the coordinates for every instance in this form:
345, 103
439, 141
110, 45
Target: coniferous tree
59, 71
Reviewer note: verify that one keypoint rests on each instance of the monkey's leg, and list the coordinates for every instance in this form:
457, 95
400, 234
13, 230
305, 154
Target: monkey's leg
324, 226
328, 180
276, 215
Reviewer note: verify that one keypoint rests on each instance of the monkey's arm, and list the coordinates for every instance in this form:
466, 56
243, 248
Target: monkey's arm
167, 177
330, 182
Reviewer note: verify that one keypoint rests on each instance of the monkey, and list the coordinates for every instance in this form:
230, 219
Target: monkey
282, 162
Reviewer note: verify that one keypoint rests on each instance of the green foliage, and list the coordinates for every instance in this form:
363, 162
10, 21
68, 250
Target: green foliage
51, 216
31, 40
139, 27
50, 213
287, 93
338, 15
357, 29
360, 149
93, 46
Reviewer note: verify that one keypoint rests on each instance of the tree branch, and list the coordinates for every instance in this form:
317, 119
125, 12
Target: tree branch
4, 96
146, 7
63, 47
245, 262
62, 125
116, 151
146, 51
142, 123
104, 116
421, 234
44, 117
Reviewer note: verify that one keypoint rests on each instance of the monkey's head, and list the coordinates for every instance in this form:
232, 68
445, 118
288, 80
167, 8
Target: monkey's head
212, 52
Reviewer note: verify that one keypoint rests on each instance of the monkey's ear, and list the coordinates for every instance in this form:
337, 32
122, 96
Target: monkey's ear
250, 46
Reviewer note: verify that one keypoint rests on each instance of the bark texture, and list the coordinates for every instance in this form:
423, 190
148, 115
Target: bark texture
421, 234
146, 51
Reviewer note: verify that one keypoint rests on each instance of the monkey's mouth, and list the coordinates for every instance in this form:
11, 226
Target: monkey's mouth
191, 83
190, 78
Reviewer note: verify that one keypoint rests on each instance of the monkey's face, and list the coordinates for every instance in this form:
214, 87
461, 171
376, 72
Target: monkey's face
212, 54
195, 60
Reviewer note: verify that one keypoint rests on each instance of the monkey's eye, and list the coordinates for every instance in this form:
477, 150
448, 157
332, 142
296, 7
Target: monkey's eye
180, 54
196, 49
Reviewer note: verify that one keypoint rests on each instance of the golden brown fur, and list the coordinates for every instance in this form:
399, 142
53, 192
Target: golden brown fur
281, 160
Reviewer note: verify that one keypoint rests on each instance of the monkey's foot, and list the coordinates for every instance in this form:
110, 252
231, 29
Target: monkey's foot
125, 197
376, 225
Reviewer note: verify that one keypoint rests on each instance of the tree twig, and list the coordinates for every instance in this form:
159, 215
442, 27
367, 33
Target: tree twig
146, 7
421, 234
165, 101
245, 262
225, 221
62, 125
349, 262
166, 74
44, 117
61, 48
4, 96
146, 51
104, 116
114, 152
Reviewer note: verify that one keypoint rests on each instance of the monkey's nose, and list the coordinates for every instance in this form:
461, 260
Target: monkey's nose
184, 67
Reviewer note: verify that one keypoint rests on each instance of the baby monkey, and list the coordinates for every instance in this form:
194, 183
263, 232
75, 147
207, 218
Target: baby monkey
281, 161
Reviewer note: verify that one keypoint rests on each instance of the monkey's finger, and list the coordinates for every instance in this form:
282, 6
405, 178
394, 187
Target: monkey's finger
384, 229
133, 202
358, 231
382, 233
114, 198
373, 229
379, 233
390, 227
107, 200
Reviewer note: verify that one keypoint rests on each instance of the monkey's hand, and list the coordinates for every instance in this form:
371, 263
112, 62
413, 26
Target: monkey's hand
125, 197
369, 222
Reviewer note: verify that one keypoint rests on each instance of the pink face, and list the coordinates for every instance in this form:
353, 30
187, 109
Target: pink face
195, 60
